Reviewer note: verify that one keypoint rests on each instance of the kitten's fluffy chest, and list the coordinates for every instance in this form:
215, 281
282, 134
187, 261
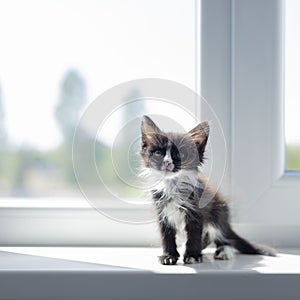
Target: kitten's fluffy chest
175, 217
174, 195
176, 186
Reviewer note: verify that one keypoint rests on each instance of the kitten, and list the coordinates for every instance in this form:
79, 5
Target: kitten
172, 161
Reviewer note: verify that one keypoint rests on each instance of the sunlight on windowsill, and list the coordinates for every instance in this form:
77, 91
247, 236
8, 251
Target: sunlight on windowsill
139, 260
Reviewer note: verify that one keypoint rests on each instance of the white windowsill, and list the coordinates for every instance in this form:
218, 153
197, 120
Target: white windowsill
74, 222
56, 203
134, 273
44, 202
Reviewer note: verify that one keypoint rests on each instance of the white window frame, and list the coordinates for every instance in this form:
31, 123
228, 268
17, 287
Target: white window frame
242, 79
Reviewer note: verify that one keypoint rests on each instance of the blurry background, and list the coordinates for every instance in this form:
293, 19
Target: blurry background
57, 57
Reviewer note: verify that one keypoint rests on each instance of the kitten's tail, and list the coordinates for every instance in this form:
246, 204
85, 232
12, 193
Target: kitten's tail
246, 247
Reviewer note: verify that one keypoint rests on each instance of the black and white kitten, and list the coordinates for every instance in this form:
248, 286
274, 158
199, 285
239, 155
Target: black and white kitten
172, 161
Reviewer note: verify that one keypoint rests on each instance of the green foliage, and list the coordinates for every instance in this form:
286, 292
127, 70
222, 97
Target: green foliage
15, 169
28, 172
3, 137
293, 157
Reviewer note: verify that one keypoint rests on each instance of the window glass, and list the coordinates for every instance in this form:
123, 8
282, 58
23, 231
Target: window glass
57, 57
292, 90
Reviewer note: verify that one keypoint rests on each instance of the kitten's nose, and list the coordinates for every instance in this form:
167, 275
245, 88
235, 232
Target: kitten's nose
167, 162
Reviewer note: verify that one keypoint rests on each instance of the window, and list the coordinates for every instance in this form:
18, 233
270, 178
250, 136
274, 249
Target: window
56, 58
242, 79
51, 71
292, 94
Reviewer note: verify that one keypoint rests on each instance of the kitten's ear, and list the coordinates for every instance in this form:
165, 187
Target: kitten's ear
148, 129
200, 136
200, 131
148, 126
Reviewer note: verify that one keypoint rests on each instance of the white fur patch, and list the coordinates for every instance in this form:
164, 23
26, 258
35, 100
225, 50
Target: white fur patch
213, 233
190, 260
175, 218
226, 253
175, 189
174, 185
168, 161
173, 214
170, 183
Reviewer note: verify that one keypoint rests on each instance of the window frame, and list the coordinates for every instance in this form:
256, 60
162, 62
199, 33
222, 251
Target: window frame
264, 196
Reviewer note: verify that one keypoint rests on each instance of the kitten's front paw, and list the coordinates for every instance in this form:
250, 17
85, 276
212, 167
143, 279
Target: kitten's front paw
192, 259
224, 253
167, 259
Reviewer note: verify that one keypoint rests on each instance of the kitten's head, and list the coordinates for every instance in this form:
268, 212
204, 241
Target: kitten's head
172, 152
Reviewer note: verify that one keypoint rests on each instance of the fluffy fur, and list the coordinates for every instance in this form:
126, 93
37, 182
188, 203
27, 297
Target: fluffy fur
184, 202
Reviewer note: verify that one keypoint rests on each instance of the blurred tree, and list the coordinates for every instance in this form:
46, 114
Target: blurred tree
3, 136
125, 151
134, 108
23, 160
3, 142
71, 100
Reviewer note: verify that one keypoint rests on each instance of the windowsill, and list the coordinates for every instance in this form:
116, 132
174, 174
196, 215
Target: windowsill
75, 272
142, 259
51, 203
74, 222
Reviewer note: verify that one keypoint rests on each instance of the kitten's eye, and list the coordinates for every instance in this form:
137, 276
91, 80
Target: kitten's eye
158, 153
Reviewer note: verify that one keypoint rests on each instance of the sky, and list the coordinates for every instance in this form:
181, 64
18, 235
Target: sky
108, 42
